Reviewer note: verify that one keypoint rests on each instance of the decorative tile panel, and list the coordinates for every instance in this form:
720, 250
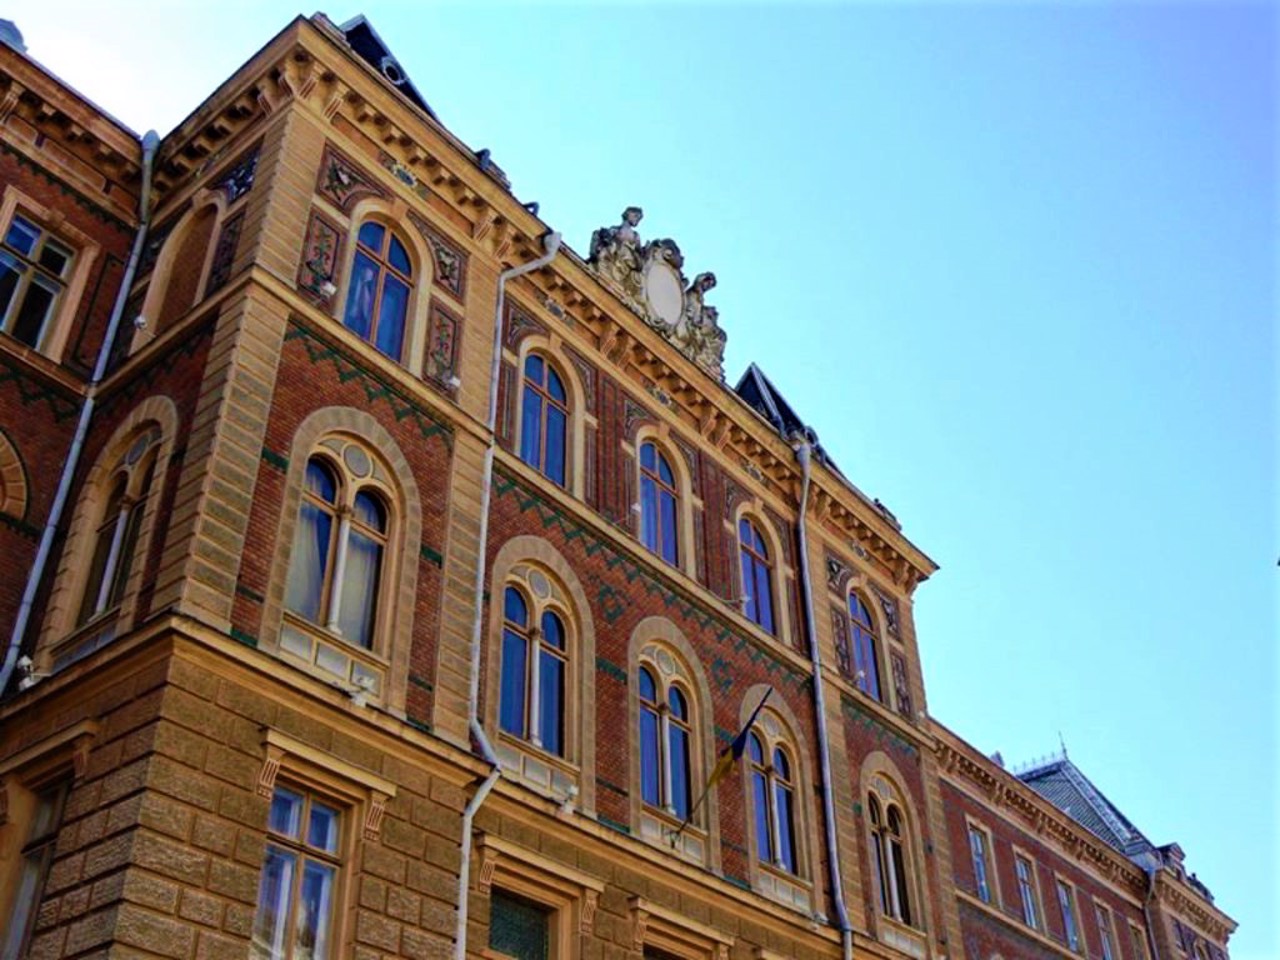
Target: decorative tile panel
320, 252
449, 263
224, 254
342, 183
901, 690
238, 179
444, 335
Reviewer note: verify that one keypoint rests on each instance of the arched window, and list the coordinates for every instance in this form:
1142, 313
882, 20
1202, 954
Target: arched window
773, 793
659, 504
115, 538
865, 661
666, 774
890, 853
757, 575
535, 657
378, 294
339, 548
544, 419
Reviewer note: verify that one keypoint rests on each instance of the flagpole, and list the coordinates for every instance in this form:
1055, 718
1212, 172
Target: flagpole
734, 750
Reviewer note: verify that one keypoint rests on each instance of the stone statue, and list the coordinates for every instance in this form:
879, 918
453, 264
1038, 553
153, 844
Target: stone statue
698, 332
617, 254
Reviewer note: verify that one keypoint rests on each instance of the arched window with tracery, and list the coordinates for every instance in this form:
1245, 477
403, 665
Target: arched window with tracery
115, 538
866, 662
337, 568
773, 797
890, 852
659, 504
544, 419
380, 286
666, 737
535, 656
757, 575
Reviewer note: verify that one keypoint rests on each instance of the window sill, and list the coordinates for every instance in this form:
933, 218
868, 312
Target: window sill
658, 828
536, 768
88, 638
330, 656
785, 888
909, 940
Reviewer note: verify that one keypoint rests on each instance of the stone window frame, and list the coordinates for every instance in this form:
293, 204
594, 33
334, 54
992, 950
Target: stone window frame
1037, 892
994, 896
781, 728
14, 201
62, 638
360, 795
686, 504
784, 573
1138, 941
651, 635
394, 630
862, 591
573, 775
60, 757
655, 925
1108, 941
1059, 884
911, 939
392, 214
570, 895
14, 487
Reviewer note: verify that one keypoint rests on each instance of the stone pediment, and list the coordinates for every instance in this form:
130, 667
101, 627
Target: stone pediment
649, 278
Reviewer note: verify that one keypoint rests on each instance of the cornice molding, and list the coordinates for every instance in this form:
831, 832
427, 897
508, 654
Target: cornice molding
1176, 896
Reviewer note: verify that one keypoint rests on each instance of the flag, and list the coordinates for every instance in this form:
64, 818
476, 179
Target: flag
733, 753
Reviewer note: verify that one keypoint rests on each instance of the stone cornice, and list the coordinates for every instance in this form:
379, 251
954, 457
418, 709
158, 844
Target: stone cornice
961, 762
100, 155
1178, 897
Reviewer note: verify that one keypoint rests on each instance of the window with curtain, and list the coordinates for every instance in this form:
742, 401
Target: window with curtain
34, 270
666, 735
1027, 892
659, 504
980, 852
535, 653
115, 538
297, 888
544, 419
773, 801
866, 663
339, 546
381, 283
757, 575
890, 853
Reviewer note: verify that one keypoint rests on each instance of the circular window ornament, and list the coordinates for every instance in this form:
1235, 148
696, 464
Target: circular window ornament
391, 70
357, 461
539, 584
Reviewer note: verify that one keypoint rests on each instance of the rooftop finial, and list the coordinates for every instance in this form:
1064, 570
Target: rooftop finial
1062, 743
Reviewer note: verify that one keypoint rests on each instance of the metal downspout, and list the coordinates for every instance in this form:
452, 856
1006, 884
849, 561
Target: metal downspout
150, 143
1146, 911
551, 245
804, 453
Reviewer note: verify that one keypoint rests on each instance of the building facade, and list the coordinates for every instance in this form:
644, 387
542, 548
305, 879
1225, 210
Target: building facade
385, 579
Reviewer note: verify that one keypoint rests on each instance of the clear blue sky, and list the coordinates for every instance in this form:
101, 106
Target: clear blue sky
1015, 262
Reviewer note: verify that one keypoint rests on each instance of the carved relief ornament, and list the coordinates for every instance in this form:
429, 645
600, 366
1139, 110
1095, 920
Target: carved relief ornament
649, 278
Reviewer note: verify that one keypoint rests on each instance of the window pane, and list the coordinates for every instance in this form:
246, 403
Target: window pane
679, 706
315, 905
514, 607
650, 763
555, 386
359, 605
786, 829
648, 513
781, 765
398, 257
748, 587
35, 309
322, 833
124, 558
10, 274
551, 703
760, 798
900, 878
360, 298
274, 890
391, 314
54, 258
369, 512
308, 562
22, 236
763, 596
680, 774
648, 456
531, 428
648, 689
515, 653
518, 928
878, 865
285, 817
669, 542
552, 630
754, 749
534, 369
371, 235
555, 465
320, 481
664, 471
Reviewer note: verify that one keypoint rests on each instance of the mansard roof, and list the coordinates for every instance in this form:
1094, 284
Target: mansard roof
1063, 784
763, 397
366, 43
